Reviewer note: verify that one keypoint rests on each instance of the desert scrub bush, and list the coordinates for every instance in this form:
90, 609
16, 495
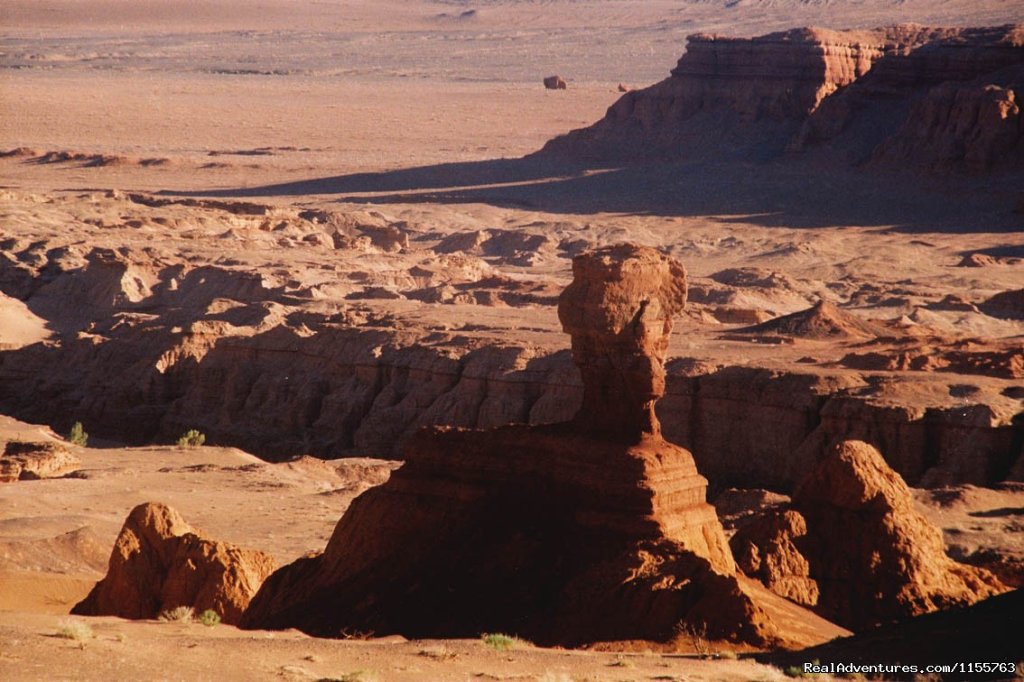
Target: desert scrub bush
179, 614
191, 439
499, 642
209, 618
77, 435
76, 630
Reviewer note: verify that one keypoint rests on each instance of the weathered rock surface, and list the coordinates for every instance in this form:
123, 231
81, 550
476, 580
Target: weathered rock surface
566, 534
938, 98
159, 562
30, 461
619, 311
853, 546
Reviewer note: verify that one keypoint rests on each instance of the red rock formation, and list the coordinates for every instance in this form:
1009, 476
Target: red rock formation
809, 87
565, 534
30, 461
765, 86
159, 562
855, 548
821, 321
619, 310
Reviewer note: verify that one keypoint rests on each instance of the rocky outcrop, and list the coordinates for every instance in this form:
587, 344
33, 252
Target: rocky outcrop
822, 321
28, 461
159, 562
566, 534
935, 97
853, 546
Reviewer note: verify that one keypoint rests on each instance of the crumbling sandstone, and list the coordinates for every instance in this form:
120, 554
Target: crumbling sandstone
159, 562
854, 548
31, 460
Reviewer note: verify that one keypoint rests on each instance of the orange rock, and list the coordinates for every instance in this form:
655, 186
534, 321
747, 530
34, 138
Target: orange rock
855, 548
29, 461
159, 562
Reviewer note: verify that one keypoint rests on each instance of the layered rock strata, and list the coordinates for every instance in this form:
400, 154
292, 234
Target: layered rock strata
159, 562
578, 532
854, 548
931, 97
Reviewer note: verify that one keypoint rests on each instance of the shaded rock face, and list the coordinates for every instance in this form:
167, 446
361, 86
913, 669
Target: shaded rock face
159, 562
556, 533
939, 98
854, 548
619, 310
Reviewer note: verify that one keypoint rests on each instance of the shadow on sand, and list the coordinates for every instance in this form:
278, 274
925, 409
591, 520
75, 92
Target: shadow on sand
782, 193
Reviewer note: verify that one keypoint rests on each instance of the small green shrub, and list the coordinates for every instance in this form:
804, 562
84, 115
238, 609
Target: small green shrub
499, 642
191, 439
77, 435
179, 614
76, 630
209, 618
794, 671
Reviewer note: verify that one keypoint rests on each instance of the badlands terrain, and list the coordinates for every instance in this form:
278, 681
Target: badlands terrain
310, 229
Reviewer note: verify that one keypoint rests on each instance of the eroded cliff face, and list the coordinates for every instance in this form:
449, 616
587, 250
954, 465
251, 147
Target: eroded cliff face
146, 345
929, 97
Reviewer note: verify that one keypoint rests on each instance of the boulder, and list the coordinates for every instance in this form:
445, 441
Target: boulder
159, 562
554, 83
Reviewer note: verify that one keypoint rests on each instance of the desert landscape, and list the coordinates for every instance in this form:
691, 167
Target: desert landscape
336, 346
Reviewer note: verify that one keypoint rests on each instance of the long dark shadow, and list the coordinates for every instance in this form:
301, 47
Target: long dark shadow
783, 193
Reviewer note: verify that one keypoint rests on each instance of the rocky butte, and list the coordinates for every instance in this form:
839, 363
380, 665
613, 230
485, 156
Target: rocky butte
936, 98
591, 530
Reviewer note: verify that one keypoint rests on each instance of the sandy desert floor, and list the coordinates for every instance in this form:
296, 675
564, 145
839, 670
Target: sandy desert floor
415, 113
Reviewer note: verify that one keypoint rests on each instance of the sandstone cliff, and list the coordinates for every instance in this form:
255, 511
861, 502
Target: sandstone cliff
159, 562
937, 98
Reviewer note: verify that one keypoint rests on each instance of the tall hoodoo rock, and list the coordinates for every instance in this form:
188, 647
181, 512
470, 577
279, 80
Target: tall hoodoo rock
159, 562
619, 310
595, 529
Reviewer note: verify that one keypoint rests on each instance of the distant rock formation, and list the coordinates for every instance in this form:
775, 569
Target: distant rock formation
936, 97
554, 83
1008, 305
854, 548
30, 461
591, 530
821, 321
159, 562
